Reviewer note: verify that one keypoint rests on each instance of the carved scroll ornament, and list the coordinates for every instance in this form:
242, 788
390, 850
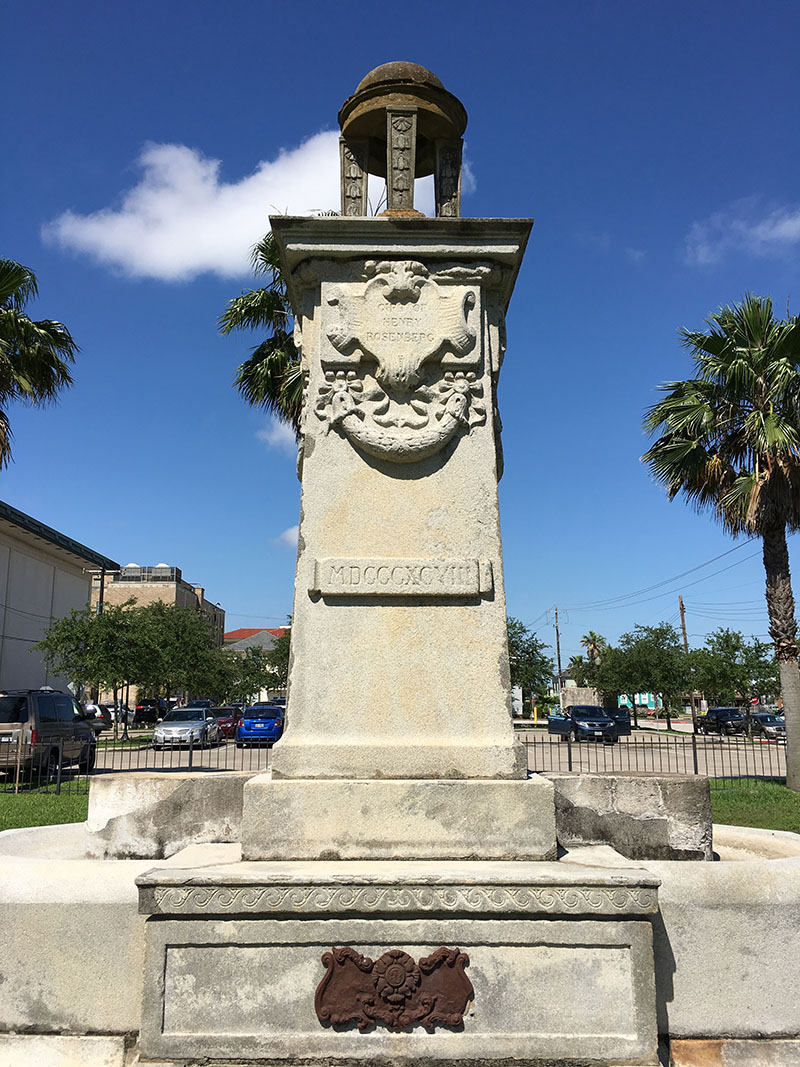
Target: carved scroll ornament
387, 389
394, 989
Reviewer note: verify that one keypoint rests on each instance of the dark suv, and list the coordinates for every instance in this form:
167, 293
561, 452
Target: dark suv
728, 721
40, 727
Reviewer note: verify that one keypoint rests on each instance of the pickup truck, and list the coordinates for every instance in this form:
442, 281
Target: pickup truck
722, 721
587, 722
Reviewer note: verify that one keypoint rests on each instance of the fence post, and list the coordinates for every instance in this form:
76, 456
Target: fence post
191, 751
60, 761
694, 754
19, 759
569, 752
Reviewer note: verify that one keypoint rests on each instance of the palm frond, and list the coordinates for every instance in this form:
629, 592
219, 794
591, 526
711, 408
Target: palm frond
17, 284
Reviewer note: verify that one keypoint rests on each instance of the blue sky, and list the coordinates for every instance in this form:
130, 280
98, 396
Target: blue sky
655, 144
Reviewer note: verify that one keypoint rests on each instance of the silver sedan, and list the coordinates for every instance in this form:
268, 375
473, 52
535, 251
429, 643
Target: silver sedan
186, 726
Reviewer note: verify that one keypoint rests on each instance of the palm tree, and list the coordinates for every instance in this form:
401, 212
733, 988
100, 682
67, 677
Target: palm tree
730, 442
272, 377
34, 356
594, 644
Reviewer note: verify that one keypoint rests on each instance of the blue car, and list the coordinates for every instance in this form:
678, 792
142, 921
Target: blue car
261, 724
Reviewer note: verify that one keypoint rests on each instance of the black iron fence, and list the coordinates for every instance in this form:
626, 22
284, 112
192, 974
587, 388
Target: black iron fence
724, 760
51, 769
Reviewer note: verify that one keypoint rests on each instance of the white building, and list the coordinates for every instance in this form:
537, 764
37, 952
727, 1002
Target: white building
43, 575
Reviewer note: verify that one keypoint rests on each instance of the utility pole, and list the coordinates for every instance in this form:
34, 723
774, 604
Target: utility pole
686, 650
558, 652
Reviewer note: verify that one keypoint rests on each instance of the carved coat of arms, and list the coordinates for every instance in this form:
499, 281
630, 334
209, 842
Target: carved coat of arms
395, 990
386, 388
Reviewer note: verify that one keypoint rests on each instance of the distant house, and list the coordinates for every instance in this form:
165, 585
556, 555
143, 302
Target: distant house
256, 637
43, 575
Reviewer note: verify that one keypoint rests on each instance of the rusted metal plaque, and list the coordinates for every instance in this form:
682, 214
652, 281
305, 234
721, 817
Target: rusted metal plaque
394, 989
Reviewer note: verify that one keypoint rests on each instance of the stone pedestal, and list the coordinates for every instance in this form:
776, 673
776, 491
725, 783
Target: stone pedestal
399, 657
559, 962
368, 820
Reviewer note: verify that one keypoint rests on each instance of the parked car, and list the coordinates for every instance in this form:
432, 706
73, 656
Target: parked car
201, 702
728, 721
622, 718
148, 711
52, 726
261, 724
227, 718
99, 716
585, 722
186, 726
768, 724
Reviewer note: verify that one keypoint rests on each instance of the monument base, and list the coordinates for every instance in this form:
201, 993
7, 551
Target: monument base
555, 965
297, 819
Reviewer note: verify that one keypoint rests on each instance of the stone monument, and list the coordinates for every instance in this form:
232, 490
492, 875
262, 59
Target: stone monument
397, 899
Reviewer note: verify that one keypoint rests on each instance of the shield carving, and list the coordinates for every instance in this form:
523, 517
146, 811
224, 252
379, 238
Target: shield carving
401, 319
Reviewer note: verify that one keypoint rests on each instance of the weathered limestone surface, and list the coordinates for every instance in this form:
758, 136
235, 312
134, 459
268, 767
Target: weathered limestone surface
400, 665
721, 1052
234, 956
642, 816
72, 938
738, 922
456, 819
150, 815
37, 1050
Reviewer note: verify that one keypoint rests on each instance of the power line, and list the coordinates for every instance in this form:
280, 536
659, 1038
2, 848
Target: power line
667, 581
685, 585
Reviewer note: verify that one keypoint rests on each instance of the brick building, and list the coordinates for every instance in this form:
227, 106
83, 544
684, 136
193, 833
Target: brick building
146, 585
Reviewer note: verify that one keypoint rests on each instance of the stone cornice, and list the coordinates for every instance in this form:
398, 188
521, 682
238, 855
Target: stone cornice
406, 899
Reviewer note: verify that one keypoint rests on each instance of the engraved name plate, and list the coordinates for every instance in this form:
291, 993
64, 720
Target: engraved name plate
401, 577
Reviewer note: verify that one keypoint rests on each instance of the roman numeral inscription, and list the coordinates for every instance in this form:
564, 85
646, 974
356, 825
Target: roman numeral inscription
401, 577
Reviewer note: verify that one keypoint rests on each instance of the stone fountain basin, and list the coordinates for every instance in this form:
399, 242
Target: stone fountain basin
725, 936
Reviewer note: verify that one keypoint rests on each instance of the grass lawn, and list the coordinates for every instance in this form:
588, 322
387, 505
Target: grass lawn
41, 809
764, 804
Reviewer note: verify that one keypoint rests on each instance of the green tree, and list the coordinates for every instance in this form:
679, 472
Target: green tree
179, 644
531, 669
252, 672
34, 356
730, 442
729, 668
272, 377
582, 671
104, 651
648, 659
67, 647
278, 658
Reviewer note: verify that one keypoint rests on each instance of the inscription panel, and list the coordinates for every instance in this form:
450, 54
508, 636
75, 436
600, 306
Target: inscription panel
401, 577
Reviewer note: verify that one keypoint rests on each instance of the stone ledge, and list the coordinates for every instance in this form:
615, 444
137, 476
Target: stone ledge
358, 819
643, 816
728, 1052
390, 888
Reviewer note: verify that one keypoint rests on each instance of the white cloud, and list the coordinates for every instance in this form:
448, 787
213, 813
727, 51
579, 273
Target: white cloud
744, 226
635, 255
289, 537
182, 220
280, 435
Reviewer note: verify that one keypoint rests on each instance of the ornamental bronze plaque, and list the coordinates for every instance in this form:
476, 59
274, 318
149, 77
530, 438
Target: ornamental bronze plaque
394, 989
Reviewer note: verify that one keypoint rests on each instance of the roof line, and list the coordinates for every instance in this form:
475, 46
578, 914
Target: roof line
47, 533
